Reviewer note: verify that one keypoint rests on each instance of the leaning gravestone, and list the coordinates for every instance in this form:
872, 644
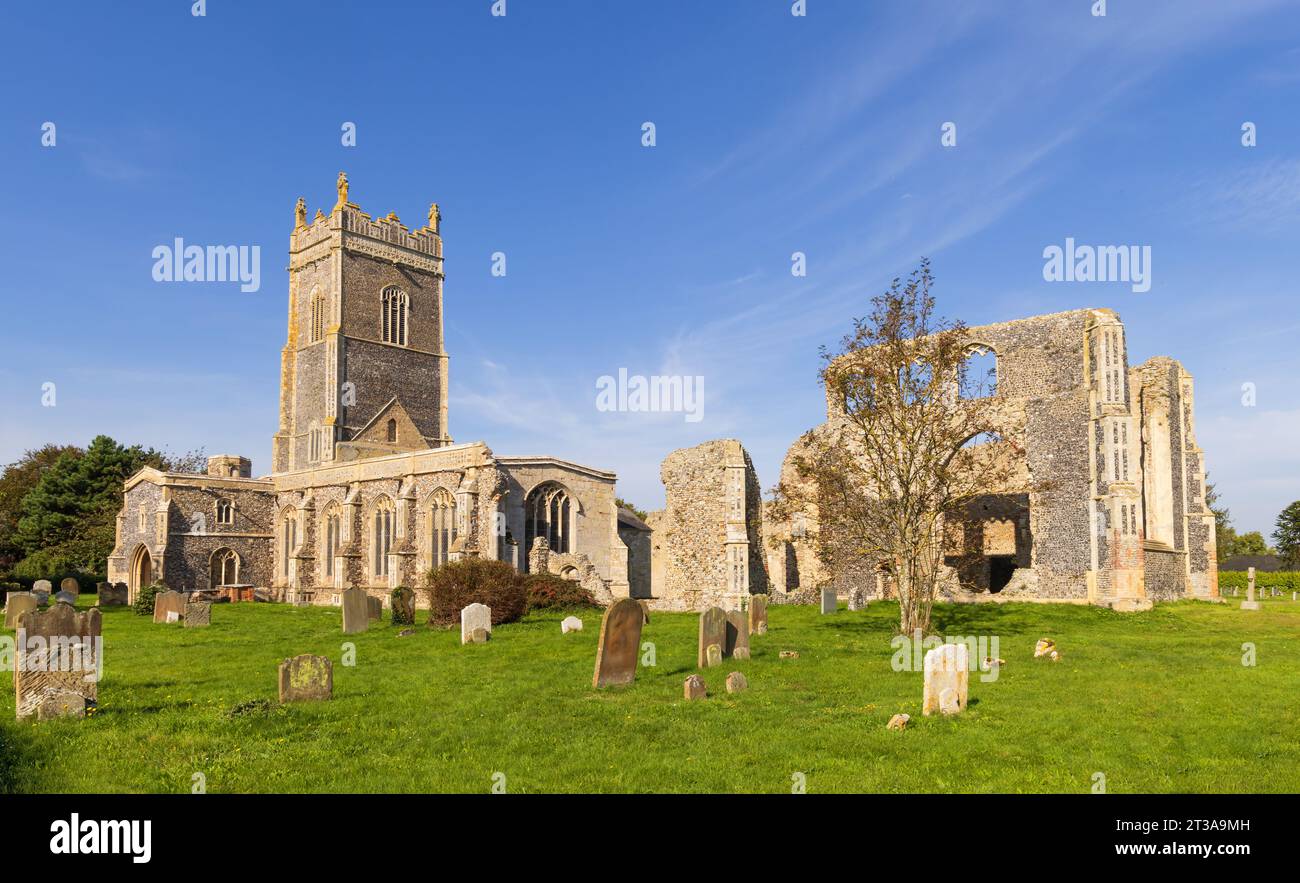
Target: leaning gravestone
111, 594
570, 624
947, 668
356, 611
403, 606
18, 604
168, 606
306, 678
198, 614
375, 607
713, 632
619, 644
475, 616
828, 601
65, 598
70, 585
758, 614
737, 644
57, 670
41, 589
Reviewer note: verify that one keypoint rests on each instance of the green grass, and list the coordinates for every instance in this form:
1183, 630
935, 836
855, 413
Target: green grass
1158, 701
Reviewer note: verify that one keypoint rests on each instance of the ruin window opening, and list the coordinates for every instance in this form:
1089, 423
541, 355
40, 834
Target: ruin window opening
979, 378
548, 512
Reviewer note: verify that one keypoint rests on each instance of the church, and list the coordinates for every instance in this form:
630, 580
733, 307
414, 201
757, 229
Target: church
367, 486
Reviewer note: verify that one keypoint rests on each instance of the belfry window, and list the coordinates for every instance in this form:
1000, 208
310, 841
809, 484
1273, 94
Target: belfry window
393, 307
317, 317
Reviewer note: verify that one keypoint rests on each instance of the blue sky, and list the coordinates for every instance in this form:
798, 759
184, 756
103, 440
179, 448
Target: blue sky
775, 134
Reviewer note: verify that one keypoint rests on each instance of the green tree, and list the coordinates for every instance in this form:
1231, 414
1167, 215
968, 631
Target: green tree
1251, 543
16, 482
1225, 536
631, 507
1286, 534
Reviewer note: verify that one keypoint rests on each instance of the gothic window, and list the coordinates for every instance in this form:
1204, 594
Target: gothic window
317, 316
442, 526
225, 512
393, 308
548, 512
392, 431
223, 568
382, 536
313, 443
144, 521
288, 540
981, 373
332, 529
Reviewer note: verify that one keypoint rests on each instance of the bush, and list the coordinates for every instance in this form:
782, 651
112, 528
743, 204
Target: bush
546, 591
399, 615
458, 584
1283, 580
145, 597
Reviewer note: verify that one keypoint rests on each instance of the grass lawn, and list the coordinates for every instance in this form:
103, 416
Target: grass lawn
1158, 701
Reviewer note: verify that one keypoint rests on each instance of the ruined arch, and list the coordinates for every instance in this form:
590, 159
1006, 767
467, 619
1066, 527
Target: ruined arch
551, 511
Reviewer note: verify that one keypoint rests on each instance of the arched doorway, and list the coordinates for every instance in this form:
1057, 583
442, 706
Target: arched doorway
141, 570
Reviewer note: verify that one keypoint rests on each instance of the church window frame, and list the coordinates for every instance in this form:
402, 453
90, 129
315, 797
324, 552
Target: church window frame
395, 327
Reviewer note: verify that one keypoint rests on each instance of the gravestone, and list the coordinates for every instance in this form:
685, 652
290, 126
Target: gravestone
619, 643
306, 678
858, 599
1250, 603
70, 585
758, 614
17, 604
829, 601
712, 656
168, 606
375, 608
570, 624
111, 595
57, 656
713, 631
480, 636
403, 606
62, 597
41, 589
947, 668
736, 682
694, 688
356, 611
737, 644
475, 616
198, 614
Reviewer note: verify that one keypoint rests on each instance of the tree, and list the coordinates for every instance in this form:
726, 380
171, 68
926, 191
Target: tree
880, 482
1286, 534
16, 482
1225, 536
631, 507
1250, 543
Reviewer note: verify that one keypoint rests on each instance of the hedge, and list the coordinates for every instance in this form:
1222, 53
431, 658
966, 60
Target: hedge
1286, 580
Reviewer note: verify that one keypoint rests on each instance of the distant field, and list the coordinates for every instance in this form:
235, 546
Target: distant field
1157, 701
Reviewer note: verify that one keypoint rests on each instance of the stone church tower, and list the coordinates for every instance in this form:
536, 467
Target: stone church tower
363, 372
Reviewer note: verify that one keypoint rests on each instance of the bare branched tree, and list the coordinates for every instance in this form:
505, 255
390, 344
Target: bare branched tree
915, 440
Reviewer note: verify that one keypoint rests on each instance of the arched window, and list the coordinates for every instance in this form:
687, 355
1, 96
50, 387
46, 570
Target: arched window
225, 512
317, 316
313, 443
288, 539
382, 536
331, 532
393, 307
442, 526
223, 568
981, 373
548, 512
392, 431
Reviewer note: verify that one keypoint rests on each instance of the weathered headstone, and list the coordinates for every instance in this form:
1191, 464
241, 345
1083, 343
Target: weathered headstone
475, 616
57, 655
712, 656
403, 606
645, 607
112, 594
1250, 603
375, 607
829, 601
70, 585
356, 611
62, 597
858, 599
898, 722
758, 614
737, 644
16, 605
41, 589
198, 614
306, 678
619, 644
947, 668
1044, 647
480, 636
694, 688
713, 631
570, 624
736, 682
165, 604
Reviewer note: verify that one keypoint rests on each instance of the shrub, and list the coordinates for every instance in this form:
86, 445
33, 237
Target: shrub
546, 591
458, 584
145, 597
